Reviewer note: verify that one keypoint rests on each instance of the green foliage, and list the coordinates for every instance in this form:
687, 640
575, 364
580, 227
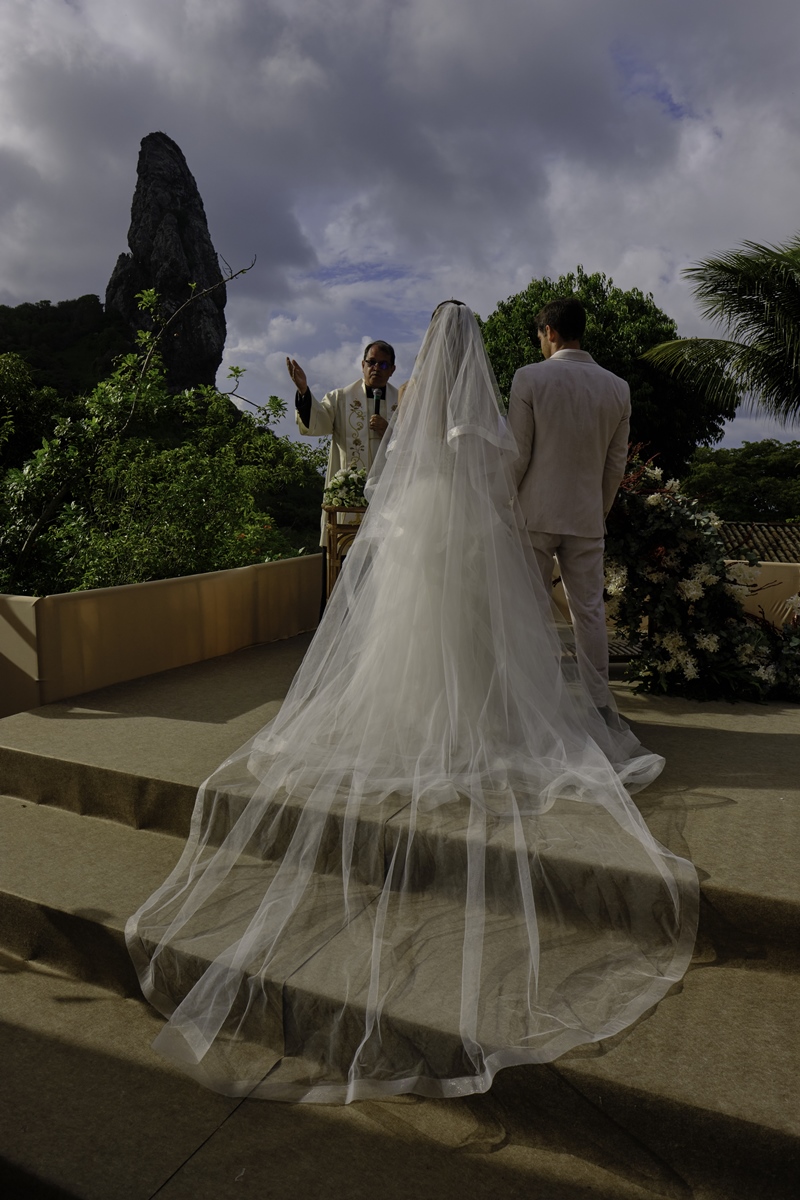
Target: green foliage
27, 413
753, 293
69, 346
671, 419
759, 481
140, 484
671, 592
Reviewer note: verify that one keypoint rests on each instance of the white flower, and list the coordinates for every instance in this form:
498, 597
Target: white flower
655, 576
691, 589
681, 660
741, 574
671, 485
746, 654
673, 642
707, 641
767, 673
653, 472
793, 603
702, 574
655, 500
616, 579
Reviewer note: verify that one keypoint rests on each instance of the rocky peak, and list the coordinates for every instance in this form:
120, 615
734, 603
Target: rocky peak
170, 249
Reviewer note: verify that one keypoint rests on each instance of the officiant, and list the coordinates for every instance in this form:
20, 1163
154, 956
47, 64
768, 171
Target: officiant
356, 417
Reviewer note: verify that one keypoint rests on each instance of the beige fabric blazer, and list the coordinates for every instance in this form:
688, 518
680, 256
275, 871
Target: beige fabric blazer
571, 421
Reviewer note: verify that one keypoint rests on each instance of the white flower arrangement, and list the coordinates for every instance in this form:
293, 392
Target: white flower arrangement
682, 601
346, 488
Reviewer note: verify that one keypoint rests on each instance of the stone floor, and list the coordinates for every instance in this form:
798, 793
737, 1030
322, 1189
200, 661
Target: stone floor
699, 1100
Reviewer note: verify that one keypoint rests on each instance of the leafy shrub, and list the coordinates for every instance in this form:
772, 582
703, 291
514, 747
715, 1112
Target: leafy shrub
672, 593
140, 484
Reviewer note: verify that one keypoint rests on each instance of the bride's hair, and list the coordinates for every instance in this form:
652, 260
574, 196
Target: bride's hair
442, 304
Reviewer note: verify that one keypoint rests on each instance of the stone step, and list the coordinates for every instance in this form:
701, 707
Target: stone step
728, 799
697, 1101
69, 882
94, 1114
706, 1083
759, 904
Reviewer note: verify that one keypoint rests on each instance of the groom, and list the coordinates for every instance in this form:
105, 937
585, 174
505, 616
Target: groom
570, 418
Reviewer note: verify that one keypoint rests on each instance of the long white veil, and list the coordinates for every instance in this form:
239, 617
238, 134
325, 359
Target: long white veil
428, 865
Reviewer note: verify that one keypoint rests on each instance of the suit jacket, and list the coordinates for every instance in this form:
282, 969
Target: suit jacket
344, 413
571, 421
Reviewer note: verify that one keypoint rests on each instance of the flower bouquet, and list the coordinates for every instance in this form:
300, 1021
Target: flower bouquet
346, 488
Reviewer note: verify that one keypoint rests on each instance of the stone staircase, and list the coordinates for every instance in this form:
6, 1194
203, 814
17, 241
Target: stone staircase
698, 1100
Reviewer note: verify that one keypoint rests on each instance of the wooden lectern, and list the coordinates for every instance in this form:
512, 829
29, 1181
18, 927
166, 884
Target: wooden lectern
339, 538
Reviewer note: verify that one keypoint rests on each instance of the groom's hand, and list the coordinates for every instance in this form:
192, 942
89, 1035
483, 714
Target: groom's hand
297, 375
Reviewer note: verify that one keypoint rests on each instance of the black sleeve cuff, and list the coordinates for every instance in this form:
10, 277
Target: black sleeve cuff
303, 406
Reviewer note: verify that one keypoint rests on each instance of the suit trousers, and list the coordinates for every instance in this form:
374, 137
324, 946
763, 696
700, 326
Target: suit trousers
580, 560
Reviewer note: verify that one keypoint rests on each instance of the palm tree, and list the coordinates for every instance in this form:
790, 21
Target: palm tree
754, 294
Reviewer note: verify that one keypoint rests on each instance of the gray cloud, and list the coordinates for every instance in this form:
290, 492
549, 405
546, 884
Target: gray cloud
380, 154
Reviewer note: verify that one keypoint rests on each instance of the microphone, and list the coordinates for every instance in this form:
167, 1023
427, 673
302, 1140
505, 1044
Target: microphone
378, 396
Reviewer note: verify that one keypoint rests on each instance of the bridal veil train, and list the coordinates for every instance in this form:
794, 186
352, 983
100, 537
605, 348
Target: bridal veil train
428, 866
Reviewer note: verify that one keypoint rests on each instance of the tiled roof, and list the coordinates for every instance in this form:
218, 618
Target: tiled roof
772, 541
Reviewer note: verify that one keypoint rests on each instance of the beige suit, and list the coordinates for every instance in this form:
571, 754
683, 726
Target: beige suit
570, 418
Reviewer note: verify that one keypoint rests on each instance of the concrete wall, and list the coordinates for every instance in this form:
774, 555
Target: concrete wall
776, 583
57, 646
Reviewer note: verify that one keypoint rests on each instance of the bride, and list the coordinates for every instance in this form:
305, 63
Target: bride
428, 866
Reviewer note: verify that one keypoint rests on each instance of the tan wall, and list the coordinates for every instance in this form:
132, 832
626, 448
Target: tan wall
776, 583
58, 646
19, 662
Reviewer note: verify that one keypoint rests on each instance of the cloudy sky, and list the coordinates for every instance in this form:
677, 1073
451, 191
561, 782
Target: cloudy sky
381, 155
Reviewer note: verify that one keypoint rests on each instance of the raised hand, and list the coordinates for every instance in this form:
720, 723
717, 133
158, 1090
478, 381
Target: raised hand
297, 375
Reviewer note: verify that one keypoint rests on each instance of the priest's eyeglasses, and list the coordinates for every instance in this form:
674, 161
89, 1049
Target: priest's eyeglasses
381, 364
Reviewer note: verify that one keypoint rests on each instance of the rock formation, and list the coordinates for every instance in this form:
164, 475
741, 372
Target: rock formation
170, 249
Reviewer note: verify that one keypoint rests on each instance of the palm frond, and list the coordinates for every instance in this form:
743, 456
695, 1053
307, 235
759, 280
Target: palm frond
753, 293
733, 373
706, 363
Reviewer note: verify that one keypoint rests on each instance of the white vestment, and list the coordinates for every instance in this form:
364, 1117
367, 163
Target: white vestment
344, 414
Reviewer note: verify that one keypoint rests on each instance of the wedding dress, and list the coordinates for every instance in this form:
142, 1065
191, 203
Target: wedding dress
428, 866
